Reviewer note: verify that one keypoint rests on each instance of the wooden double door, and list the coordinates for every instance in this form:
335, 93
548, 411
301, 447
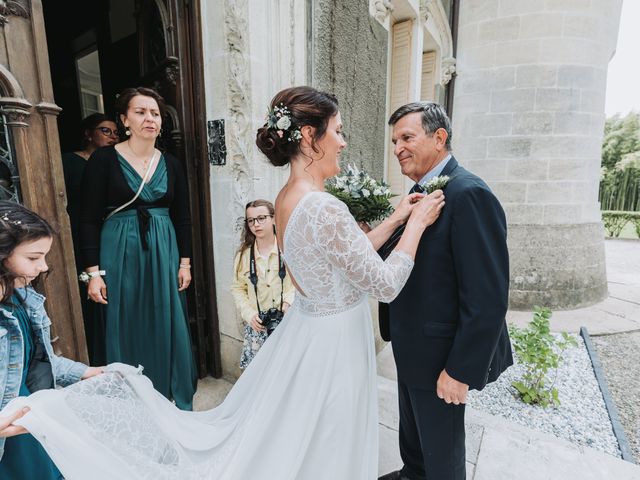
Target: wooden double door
53, 72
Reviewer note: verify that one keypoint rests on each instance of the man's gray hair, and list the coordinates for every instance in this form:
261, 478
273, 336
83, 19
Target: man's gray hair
433, 117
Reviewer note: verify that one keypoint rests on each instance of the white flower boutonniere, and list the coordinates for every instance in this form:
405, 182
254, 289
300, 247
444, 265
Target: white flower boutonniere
436, 183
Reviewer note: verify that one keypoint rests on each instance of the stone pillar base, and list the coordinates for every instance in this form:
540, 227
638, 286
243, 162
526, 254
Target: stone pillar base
557, 266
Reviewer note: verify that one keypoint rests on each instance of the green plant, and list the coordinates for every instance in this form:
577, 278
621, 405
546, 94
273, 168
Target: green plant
541, 353
636, 223
614, 222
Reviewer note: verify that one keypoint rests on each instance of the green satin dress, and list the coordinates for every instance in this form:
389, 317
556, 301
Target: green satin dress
24, 458
146, 316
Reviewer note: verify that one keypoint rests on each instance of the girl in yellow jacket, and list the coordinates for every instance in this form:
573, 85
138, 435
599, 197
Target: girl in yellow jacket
259, 267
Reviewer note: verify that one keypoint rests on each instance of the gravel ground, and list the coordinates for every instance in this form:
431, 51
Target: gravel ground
582, 416
620, 358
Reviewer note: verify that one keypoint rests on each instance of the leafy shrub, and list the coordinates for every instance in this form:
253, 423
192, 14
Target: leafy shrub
541, 353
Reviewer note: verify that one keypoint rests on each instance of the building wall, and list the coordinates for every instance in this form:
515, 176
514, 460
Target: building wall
528, 117
350, 60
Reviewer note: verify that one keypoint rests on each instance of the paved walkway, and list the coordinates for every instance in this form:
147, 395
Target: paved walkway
498, 449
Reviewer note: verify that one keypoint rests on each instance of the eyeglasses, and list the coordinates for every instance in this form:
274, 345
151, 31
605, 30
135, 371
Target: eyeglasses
260, 219
107, 131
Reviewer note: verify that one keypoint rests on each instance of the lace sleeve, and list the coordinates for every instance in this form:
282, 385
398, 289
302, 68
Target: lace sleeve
348, 249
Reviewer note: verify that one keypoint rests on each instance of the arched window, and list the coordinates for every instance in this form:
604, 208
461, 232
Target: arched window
9, 177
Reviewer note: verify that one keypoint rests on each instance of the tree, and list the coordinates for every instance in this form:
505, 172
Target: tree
621, 137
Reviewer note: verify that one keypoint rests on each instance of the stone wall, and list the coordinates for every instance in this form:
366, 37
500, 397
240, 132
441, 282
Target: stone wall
350, 60
528, 117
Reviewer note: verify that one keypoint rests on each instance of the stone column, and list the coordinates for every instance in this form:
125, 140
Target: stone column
528, 117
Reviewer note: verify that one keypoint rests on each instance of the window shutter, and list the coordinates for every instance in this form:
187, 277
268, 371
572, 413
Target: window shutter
399, 94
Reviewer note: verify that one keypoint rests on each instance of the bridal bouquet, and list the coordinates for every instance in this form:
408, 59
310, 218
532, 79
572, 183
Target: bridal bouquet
366, 198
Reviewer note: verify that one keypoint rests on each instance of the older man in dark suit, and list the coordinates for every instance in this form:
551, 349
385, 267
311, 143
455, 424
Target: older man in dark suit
447, 326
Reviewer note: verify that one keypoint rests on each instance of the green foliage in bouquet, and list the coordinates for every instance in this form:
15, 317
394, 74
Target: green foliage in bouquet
366, 198
541, 353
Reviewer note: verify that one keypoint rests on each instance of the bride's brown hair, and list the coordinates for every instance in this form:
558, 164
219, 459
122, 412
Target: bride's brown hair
307, 106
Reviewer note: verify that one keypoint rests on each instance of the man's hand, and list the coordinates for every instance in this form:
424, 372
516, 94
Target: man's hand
7, 429
450, 390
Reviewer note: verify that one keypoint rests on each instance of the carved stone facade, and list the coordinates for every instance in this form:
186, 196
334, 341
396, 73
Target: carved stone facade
13, 8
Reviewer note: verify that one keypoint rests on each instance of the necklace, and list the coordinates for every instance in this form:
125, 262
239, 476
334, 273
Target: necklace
145, 161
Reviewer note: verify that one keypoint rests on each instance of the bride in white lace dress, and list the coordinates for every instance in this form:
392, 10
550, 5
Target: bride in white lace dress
306, 407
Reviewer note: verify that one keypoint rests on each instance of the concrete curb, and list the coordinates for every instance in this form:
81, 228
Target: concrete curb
618, 431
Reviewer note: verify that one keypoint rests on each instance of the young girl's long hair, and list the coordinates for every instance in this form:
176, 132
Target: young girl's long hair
247, 236
18, 224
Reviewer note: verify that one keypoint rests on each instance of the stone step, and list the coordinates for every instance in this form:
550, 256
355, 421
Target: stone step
498, 449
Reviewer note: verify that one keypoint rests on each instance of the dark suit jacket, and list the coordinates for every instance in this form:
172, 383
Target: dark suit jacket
451, 313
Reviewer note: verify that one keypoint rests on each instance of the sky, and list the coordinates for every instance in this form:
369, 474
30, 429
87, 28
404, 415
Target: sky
623, 77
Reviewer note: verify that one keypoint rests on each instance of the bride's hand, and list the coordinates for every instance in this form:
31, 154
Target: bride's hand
427, 210
406, 205
7, 429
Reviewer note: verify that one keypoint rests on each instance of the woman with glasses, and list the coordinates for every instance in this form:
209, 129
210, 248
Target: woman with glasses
259, 233
135, 232
97, 131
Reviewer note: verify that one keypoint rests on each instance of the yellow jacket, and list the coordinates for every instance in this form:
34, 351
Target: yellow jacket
268, 283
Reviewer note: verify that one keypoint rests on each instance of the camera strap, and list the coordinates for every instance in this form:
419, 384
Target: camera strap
253, 275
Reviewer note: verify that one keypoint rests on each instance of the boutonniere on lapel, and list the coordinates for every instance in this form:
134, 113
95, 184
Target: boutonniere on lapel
436, 183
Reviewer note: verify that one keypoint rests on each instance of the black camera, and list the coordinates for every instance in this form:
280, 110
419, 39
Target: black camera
270, 319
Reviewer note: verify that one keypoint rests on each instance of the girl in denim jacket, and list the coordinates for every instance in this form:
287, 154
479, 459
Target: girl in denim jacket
27, 361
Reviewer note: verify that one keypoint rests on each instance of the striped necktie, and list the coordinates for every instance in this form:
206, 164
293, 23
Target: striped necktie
417, 188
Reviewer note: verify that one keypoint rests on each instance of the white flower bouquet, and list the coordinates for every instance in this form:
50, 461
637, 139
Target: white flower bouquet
366, 198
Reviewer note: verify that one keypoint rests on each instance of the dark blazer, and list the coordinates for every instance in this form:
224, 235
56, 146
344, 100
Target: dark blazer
451, 312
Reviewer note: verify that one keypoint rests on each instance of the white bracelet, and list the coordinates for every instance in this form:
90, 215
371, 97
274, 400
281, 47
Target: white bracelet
86, 276
185, 265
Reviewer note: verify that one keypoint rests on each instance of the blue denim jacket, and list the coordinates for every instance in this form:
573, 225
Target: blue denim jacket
65, 371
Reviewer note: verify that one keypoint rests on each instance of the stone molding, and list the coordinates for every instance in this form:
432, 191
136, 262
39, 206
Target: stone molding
14, 8
433, 11
17, 111
46, 108
239, 132
12, 103
383, 9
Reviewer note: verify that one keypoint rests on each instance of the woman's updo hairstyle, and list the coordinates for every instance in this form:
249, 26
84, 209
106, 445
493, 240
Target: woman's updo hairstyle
306, 106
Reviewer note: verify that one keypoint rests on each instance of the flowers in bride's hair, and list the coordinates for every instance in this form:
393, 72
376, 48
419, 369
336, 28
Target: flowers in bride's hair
436, 183
366, 198
279, 118
283, 123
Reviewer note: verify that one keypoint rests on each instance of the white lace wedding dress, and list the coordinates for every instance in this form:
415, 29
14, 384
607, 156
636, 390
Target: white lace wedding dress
305, 408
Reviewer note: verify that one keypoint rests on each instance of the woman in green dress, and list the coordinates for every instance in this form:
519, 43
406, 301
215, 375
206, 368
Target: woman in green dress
97, 131
135, 232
